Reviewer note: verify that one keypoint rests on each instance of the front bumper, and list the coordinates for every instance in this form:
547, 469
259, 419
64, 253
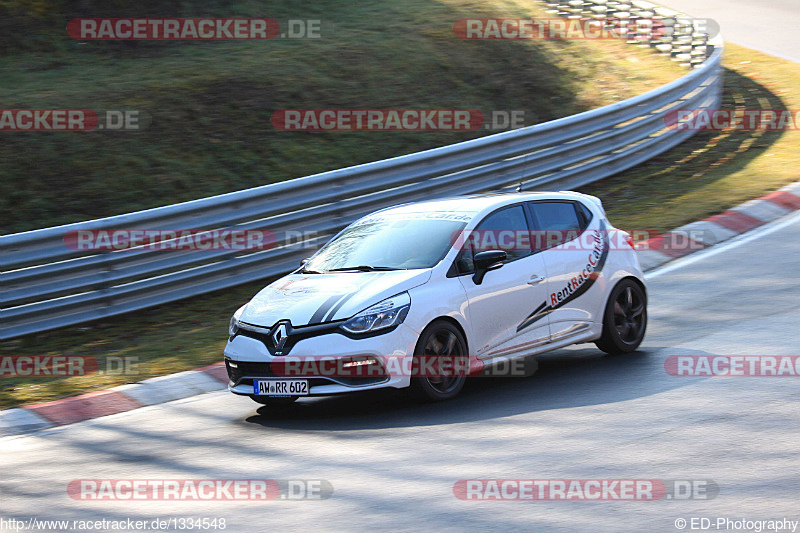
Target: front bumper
247, 359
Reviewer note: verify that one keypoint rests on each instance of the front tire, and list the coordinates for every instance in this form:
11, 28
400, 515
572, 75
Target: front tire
440, 338
625, 318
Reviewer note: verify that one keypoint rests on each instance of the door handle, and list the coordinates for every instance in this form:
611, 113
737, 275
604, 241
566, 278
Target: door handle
535, 280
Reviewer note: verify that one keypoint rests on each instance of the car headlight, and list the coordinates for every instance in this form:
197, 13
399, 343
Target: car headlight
233, 326
385, 314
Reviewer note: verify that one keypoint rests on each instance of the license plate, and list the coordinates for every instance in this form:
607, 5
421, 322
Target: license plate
281, 387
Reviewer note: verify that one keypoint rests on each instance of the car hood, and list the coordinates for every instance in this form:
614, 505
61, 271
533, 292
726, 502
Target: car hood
307, 299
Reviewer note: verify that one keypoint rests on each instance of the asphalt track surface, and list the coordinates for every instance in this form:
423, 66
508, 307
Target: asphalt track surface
393, 464
771, 26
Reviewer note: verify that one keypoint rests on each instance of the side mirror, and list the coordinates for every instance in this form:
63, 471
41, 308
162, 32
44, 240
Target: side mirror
486, 261
304, 261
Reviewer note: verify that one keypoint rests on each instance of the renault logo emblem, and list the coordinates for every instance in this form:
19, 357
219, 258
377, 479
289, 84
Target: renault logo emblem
279, 336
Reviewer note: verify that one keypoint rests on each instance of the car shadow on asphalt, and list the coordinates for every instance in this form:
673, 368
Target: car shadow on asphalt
565, 378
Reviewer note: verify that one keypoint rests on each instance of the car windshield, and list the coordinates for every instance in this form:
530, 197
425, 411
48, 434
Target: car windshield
390, 242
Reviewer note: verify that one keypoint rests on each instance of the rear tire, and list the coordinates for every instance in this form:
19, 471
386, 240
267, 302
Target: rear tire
441, 337
624, 319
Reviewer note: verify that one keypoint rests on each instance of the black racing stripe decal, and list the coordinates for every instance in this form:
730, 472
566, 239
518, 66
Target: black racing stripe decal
544, 309
538, 313
319, 313
338, 306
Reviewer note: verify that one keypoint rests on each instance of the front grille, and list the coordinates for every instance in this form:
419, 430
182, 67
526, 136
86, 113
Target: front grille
293, 334
261, 337
246, 370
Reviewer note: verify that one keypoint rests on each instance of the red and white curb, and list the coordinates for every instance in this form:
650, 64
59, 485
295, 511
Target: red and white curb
713, 230
171, 387
151, 391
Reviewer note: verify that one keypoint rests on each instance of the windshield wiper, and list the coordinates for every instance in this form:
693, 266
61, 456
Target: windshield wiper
363, 268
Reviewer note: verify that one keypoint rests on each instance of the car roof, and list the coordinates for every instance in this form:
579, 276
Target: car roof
478, 203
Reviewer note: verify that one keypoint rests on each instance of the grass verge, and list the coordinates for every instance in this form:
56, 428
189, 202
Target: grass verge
210, 103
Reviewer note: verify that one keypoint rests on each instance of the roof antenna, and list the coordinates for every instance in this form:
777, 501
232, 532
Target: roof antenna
519, 187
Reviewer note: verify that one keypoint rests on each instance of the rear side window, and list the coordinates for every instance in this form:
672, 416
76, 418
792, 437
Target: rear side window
559, 222
585, 215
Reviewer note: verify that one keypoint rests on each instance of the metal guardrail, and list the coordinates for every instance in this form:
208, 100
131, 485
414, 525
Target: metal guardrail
46, 285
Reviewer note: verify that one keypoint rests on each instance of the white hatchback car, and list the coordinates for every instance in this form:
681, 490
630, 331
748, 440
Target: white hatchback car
490, 278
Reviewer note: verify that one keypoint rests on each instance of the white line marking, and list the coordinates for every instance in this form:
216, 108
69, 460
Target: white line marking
744, 238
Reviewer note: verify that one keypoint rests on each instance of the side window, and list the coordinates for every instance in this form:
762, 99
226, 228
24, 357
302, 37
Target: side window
557, 223
585, 214
505, 230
